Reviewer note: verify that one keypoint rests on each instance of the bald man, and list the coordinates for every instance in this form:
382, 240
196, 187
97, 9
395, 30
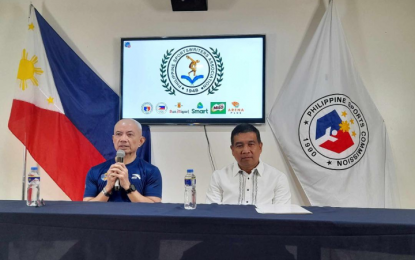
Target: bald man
140, 181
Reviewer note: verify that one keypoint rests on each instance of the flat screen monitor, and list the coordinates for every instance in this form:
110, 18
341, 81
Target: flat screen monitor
193, 80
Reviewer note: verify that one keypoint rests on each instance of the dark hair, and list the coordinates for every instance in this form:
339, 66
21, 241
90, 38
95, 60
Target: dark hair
245, 128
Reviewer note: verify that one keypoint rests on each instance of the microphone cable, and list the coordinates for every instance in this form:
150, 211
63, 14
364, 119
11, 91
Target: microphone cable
212, 163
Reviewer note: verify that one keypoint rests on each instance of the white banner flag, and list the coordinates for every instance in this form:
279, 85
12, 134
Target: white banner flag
330, 129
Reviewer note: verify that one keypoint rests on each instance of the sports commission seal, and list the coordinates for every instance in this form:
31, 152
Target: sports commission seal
333, 132
191, 70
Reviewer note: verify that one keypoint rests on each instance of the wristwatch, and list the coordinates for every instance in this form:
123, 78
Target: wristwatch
130, 189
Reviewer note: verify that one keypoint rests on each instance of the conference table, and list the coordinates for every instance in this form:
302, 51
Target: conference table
95, 230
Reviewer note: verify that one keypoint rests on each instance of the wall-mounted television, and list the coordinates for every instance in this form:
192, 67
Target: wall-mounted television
193, 80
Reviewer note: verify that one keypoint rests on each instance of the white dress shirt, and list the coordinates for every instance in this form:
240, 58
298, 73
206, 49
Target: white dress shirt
264, 185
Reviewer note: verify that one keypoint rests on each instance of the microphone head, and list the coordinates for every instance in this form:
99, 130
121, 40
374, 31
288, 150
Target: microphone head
121, 153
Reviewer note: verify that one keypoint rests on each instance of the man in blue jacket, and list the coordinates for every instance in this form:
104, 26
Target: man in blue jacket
140, 181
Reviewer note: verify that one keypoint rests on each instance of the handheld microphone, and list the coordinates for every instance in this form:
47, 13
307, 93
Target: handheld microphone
119, 158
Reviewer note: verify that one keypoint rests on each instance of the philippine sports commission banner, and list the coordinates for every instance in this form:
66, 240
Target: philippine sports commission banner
330, 129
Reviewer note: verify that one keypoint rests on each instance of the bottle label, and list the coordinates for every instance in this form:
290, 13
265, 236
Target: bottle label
188, 182
30, 179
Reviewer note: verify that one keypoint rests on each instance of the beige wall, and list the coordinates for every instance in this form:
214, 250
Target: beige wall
380, 34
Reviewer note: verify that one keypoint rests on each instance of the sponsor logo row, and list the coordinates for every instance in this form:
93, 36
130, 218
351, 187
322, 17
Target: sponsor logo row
199, 108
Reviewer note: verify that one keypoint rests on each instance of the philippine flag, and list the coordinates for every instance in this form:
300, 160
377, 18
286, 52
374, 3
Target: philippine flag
62, 111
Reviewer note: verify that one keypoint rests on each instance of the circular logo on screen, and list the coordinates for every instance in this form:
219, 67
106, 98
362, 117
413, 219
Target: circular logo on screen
333, 132
161, 108
192, 70
147, 108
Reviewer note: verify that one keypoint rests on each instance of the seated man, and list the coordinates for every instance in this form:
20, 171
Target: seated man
248, 180
140, 181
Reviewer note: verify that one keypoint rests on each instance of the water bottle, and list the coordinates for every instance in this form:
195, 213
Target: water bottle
190, 190
33, 187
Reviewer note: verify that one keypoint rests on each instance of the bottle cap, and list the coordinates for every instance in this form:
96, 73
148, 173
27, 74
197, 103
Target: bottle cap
190, 170
33, 168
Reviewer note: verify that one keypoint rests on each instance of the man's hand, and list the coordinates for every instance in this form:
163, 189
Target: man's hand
110, 181
118, 170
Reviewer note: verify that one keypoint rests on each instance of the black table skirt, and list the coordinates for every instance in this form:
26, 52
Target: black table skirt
93, 230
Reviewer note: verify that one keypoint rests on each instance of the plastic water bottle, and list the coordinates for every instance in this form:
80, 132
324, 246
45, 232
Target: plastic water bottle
190, 190
33, 187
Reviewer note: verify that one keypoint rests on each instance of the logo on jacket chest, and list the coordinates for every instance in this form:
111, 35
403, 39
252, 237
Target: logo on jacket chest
104, 176
135, 176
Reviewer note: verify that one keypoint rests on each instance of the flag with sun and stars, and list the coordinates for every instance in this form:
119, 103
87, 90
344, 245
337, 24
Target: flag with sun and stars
330, 129
62, 111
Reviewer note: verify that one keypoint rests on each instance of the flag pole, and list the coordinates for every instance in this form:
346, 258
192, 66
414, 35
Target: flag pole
24, 173
24, 148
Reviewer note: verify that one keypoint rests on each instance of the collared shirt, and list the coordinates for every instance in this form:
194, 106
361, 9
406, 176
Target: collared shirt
264, 185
